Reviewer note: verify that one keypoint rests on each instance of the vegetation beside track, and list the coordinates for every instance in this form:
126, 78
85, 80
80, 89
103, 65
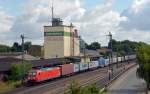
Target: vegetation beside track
8, 86
16, 76
18, 71
143, 55
75, 88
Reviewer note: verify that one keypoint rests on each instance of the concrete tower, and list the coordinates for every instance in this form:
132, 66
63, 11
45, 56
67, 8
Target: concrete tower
60, 40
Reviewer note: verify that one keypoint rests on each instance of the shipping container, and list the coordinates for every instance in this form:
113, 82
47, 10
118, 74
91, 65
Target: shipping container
126, 57
44, 74
84, 66
132, 57
93, 64
119, 59
101, 62
67, 69
76, 68
106, 62
114, 59
122, 58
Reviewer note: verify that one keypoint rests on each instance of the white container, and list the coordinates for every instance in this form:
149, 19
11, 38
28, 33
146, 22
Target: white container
114, 60
93, 64
126, 57
76, 67
83, 66
119, 59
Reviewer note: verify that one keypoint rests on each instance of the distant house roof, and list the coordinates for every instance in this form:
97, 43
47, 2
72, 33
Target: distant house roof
49, 62
91, 53
10, 53
103, 50
27, 57
18, 55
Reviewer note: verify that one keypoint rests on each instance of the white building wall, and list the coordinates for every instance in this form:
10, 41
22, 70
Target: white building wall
60, 46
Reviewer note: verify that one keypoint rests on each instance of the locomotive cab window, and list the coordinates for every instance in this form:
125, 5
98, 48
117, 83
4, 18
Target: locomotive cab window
32, 73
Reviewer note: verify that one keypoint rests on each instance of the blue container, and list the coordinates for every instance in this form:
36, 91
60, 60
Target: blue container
101, 62
106, 62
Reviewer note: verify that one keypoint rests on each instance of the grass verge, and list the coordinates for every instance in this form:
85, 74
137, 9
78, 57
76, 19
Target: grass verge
8, 86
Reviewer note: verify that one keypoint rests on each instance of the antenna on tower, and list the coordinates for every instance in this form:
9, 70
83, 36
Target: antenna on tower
52, 10
55, 21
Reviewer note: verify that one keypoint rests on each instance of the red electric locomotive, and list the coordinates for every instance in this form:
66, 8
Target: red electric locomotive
42, 74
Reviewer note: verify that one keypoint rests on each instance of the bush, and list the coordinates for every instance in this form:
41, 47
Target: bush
74, 88
18, 71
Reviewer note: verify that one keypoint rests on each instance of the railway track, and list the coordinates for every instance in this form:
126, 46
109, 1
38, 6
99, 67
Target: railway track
102, 78
64, 82
83, 83
59, 86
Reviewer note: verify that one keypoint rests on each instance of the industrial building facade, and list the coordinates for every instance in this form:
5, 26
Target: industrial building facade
60, 41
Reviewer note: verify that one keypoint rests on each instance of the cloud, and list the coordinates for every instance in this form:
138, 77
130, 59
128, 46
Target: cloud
132, 24
133, 35
137, 16
65, 9
93, 25
6, 21
36, 14
139, 5
96, 24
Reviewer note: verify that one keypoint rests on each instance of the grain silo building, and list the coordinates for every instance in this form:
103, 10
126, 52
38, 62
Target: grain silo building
60, 40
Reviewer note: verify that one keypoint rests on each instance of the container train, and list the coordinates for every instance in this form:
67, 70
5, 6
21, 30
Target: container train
42, 74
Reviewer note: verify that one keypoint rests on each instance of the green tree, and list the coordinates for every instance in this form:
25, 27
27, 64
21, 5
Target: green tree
143, 55
94, 46
16, 47
27, 45
125, 47
18, 71
4, 48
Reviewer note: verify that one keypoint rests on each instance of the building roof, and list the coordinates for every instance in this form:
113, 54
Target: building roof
59, 26
27, 57
49, 62
91, 53
104, 50
10, 54
6, 62
18, 55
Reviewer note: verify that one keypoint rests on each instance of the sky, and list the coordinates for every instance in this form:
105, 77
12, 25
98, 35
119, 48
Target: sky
94, 19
